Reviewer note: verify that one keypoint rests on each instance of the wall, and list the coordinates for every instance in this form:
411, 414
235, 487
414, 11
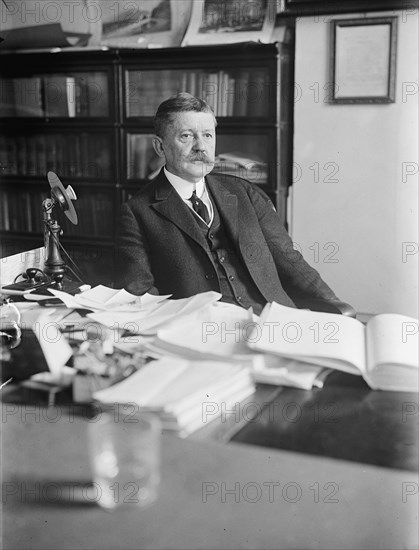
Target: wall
360, 231
79, 16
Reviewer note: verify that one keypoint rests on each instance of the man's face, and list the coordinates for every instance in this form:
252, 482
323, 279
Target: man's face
188, 145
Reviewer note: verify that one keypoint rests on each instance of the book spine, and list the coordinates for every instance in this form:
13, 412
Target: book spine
55, 96
98, 96
258, 103
21, 156
51, 152
3, 155
84, 155
230, 95
32, 164
12, 156
5, 220
242, 91
7, 98
60, 154
132, 94
70, 91
28, 97
70, 154
14, 211
41, 154
26, 213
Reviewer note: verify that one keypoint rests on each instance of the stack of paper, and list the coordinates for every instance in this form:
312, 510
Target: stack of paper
217, 331
185, 394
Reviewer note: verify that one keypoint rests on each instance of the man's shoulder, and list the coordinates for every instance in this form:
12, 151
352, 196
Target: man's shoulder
240, 186
144, 195
231, 182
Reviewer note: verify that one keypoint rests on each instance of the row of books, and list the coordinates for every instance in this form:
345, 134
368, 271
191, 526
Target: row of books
56, 95
241, 93
21, 211
141, 157
72, 155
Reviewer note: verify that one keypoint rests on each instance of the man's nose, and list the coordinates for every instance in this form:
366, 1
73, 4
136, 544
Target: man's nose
199, 144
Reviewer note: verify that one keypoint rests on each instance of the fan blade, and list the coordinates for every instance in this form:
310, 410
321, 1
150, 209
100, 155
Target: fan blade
63, 197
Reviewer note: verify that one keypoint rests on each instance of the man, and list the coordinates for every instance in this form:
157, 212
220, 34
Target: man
190, 231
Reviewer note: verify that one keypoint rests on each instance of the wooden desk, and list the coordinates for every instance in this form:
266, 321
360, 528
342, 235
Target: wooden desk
212, 495
345, 419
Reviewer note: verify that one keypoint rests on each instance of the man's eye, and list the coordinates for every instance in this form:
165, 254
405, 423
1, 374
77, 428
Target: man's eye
186, 136
208, 136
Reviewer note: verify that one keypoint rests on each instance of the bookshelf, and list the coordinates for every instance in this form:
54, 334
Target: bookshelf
88, 116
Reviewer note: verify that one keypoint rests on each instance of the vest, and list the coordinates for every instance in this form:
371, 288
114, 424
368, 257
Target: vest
236, 284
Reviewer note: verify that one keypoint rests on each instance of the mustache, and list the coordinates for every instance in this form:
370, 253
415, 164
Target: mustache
202, 157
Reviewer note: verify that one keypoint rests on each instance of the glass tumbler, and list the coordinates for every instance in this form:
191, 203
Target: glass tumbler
124, 451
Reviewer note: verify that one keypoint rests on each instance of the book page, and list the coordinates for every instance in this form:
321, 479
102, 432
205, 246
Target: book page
217, 331
319, 338
392, 339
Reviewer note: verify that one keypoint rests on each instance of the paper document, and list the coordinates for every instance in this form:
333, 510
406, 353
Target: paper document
219, 331
102, 298
281, 371
57, 351
154, 316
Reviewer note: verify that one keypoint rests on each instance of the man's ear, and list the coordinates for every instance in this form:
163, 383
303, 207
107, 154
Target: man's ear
158, 146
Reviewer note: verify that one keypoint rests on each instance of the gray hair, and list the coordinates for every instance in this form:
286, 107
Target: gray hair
179, 103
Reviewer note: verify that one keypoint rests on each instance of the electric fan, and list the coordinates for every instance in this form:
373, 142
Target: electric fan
55, 268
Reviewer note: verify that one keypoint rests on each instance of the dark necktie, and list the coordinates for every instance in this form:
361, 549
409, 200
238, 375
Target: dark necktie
200, 207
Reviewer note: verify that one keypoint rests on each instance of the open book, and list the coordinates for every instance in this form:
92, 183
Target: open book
384, 351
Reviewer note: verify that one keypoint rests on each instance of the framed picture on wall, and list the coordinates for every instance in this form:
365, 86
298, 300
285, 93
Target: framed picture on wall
363, 60
144, 23
229, 21
298, 8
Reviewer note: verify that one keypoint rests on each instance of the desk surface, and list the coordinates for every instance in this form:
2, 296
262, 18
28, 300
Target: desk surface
320, 503
346, 420
212, 495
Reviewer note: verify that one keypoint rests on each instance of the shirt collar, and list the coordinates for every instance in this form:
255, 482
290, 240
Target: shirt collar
183, 187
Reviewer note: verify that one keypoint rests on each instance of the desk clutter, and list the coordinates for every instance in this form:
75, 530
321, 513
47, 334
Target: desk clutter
187, 359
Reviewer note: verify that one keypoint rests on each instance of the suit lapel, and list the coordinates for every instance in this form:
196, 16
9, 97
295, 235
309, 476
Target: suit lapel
171, 206
226, 204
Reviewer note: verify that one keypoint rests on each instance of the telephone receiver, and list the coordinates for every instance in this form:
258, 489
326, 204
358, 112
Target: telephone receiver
64, 197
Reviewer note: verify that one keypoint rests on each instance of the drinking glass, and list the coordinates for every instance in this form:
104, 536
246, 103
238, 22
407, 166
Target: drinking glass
124, 449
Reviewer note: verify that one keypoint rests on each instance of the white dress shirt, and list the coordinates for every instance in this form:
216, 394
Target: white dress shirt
185, 189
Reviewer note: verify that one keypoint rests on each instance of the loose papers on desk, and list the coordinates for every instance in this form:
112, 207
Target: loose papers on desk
222, 332
195, 328
56, 350
102, 298
150, 318
185, 394
216, 331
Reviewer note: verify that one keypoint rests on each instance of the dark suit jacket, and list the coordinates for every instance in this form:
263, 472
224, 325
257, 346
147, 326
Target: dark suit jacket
162, 250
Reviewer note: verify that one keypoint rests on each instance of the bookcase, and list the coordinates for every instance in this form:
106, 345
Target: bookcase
87, 115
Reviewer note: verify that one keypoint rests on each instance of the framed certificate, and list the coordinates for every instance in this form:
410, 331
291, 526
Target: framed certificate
363, 60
